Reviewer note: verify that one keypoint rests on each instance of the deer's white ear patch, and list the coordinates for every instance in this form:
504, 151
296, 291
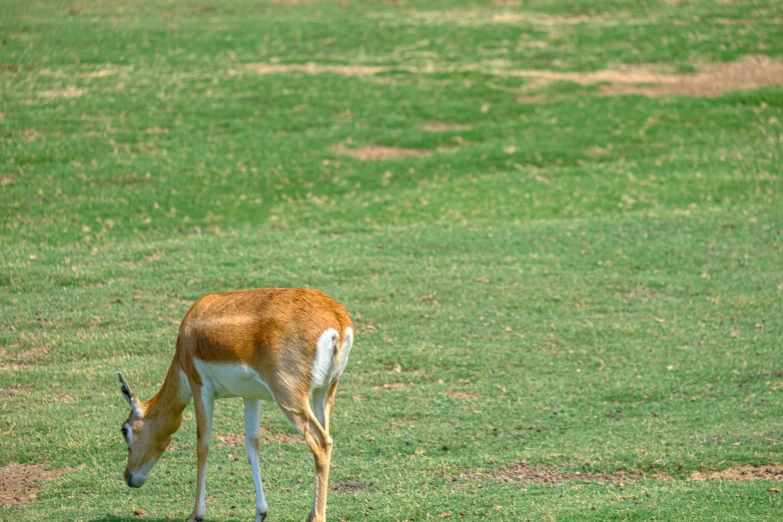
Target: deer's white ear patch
128, 432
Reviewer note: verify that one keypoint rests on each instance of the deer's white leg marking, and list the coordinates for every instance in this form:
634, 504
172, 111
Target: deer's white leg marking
318, 404
204, 401
252, 441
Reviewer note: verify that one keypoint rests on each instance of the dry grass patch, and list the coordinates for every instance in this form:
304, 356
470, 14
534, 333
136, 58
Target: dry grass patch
439, 126
21, 483
30, 134
129, 178
751, 72
13, 366
379, 152
101, 73
626, 75
236, 439
545, 474
390, 386
534, 100
461, 395
11, 392
541, 19
156, 256
741, 473
314, 68
21, 360
349, 488
492, 16
69, 92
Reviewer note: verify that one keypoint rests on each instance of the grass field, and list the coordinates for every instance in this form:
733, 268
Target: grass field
558, 227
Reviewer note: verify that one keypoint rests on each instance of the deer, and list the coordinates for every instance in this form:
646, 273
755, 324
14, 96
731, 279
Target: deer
287, 345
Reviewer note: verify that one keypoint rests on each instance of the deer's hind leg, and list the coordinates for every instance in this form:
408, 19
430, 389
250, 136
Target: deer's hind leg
304, 420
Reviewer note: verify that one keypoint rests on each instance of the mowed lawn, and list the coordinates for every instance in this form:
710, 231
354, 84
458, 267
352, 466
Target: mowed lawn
558, 227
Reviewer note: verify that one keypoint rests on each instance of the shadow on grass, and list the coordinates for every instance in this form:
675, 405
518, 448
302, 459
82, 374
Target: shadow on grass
132, 518
113, 518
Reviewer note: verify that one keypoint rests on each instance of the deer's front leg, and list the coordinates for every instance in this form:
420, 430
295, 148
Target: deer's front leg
252, 441
204, 401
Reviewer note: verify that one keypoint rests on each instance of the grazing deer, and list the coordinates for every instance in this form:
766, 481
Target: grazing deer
285, 345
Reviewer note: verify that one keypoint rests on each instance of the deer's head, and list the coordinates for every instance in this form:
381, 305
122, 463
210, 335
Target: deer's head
143, 437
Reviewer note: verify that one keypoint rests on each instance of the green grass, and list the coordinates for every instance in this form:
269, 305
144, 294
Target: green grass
602, 275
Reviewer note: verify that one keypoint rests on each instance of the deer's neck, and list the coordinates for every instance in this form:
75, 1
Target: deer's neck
172, 398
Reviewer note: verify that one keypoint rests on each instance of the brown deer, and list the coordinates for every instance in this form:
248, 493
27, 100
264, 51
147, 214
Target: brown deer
284, 345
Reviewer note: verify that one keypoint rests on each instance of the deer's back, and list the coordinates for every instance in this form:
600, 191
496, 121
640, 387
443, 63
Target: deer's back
269, 330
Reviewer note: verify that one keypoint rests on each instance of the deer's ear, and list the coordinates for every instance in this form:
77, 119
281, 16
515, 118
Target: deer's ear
128, 394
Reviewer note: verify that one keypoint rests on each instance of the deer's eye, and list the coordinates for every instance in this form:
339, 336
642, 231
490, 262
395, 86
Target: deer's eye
125, 432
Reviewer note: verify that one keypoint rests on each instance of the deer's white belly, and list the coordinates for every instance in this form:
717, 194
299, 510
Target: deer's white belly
232, 380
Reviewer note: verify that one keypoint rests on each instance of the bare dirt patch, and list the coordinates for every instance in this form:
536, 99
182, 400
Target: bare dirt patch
490, 16
534, 100
551, 475
544, 474
641, 293
439, 126
21, 483
236, 439
155, 256
129, 178
22, 360
282, 438
541, 19
741, 473
379, 152
390, 386
461, 395
70, 92
350, 488
751, 72
315, 68
6, 180
625, 75
101, 73
11, 392
30, 134
6, 367
404, 421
